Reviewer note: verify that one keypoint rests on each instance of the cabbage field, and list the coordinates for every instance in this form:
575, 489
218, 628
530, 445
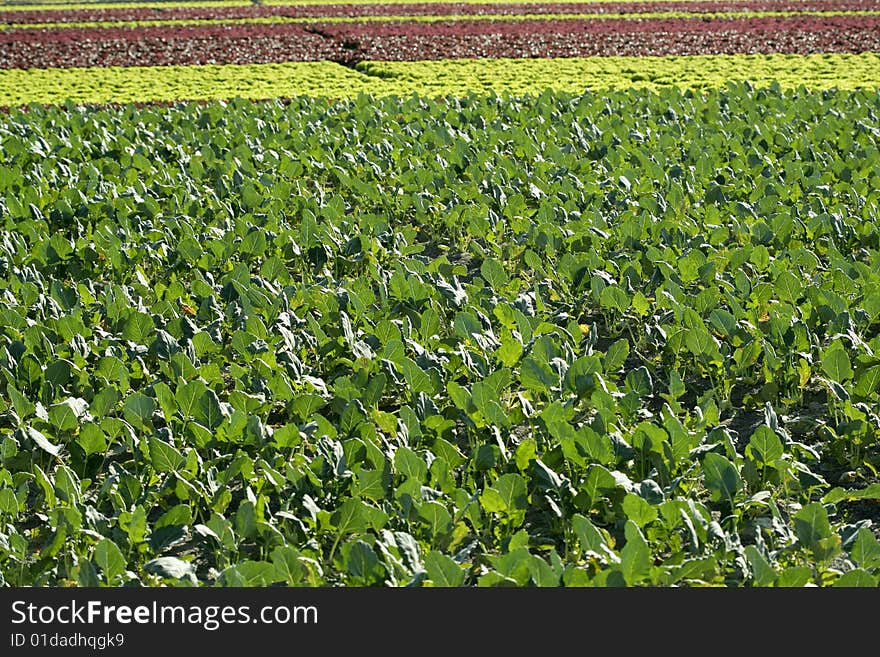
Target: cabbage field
450, 294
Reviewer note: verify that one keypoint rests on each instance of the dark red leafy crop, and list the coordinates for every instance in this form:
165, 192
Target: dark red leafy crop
405, 40
62, 15
312, 47
400, 48
577, 27
46, 49
574, 27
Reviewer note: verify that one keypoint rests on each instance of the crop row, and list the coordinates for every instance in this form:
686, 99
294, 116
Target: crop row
308, 47
576, 28
432, 78
187, 12
623, 338
664, 43
352, 42
13, 28
291, 46
15, 5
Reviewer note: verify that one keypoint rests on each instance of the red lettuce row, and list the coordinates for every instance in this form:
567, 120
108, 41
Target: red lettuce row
88, 35
305, 45
573, 27
390, 9
162, 52
590, 28
407, 48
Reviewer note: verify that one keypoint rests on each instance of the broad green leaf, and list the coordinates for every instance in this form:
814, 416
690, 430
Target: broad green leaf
482, 395
23, 406
189, 249
410, 464
45, 484
867, 384
208, 411
363, 563
638, 510
443, 571
765, 446
467, 325
288, 567
249, 574
134, 523
639, 382
514, 564
702, 343
494, 274
437, 517
545, 477
42, 442
857, 578
510, 351
635, 557
537, 376
526, 452
188, 395
139, 409
113, 370
507, 495
307, 405
616, 356
172, 568
591, 539
109, 558
60, 372
814, 531
459, 395
788, 287
579, 377
762, 571
351, 517
723, 321
245, 519
67, 485
417, 380
836, 363
543, 574
598, 482
370, 484
871, 492
65, 415
721, 477
165, 397
163, 456
866, 549
8, 502
641, 304
139, 328
179, 515
495, 579
614, 298
104, 403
